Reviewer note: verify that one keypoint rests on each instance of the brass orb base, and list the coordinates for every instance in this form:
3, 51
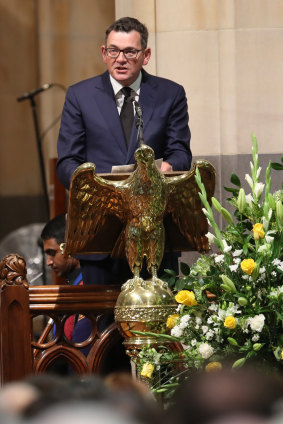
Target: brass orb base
143, 306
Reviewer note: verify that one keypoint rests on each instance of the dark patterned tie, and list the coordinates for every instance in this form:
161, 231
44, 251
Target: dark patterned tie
127, 113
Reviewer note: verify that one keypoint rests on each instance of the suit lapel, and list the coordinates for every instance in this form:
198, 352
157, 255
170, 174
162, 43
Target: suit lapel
104, 97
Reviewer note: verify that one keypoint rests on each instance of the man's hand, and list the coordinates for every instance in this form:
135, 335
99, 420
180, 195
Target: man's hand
166, 167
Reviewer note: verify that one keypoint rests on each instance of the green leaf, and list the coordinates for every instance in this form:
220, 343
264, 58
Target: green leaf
180, 284
277, 166
185, 269
232, 190
170, 272
235, 180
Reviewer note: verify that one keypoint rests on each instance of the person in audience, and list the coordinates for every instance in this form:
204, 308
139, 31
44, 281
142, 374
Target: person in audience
53, 235
226, 395
77, 327
101, 402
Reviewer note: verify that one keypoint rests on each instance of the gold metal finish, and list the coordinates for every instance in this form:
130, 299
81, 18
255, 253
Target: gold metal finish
139, 203
131, 211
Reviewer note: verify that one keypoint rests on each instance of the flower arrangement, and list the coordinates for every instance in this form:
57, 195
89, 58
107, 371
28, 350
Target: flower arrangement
230, 302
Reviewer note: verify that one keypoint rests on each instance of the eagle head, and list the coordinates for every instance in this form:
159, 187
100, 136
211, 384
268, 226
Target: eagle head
144, 154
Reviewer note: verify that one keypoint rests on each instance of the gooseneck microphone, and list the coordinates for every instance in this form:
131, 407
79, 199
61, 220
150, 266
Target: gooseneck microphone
33, 93
139, 123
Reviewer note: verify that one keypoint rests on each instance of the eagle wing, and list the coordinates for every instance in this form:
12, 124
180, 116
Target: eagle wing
185, 206
91, 199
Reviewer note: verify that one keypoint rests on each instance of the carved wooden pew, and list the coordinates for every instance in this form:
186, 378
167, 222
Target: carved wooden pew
20, 304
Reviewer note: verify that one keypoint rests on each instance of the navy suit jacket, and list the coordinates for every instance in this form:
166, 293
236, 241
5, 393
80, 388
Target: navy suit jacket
91, 130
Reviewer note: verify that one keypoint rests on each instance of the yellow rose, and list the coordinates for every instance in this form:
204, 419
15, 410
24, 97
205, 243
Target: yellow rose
213, 366
186, 297
147, 370
230, 322
258, 231
248, 265
172, 320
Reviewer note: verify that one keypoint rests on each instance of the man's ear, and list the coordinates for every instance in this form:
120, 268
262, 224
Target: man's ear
103, 52
147, 54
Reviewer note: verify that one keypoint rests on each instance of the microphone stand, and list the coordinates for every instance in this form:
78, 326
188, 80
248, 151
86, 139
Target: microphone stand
41, 161
139, 123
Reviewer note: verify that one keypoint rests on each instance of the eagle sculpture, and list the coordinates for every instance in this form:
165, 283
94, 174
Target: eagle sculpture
139, 203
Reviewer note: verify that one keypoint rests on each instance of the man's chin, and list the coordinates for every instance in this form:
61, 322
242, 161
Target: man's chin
121, 77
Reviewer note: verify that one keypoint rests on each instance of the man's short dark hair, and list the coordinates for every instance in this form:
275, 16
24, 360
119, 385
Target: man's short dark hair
128, 24
55, 228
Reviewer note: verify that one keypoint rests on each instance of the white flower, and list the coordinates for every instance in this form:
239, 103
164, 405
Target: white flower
183, 324
249, 199
213, 307
234, 267
257, 322
198, 320
237, 253
269, 239
204, 329
205, 350
185, 319
275, 292
248, 178
219, 259
205, 212
265, 223
227, 248
276, 262
255, 337
262, 248
193, 342
258, 172
237, 260
262, 270
177, 331
210, 237
209, 335
258, 189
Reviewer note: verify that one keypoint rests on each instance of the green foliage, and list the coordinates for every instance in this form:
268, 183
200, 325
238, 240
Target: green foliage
239, 290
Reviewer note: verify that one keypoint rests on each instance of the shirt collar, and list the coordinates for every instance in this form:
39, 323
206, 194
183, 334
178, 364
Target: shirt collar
117, 86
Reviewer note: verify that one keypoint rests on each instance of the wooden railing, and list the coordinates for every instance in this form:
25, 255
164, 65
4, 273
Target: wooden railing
22, 353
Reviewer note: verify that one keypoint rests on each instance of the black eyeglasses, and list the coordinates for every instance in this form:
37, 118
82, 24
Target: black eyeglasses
128, 53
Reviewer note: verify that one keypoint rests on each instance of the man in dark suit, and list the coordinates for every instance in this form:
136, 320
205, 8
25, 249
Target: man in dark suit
91, 129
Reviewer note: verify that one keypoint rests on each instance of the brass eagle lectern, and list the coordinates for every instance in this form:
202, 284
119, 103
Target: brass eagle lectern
138, 215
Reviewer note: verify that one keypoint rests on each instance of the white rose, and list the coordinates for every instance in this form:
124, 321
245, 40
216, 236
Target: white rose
257, 322
205, 350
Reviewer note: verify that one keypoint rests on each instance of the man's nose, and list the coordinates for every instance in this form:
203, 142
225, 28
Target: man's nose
121, 57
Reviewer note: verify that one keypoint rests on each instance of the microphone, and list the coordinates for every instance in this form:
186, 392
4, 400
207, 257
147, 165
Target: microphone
32, 93
139, 122
138, 109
